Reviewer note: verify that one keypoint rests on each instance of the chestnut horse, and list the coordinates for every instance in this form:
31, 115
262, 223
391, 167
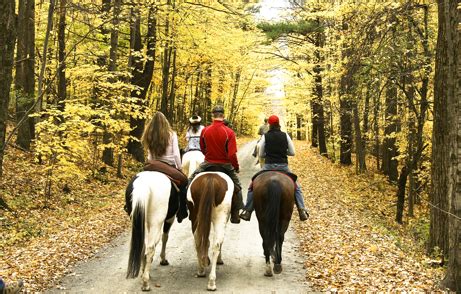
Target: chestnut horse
273, 202
152, 214
210, 198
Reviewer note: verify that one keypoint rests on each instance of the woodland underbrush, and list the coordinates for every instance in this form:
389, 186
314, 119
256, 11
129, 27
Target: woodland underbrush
44, 234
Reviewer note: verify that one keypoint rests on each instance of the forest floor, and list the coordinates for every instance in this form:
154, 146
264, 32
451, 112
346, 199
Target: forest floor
351, 241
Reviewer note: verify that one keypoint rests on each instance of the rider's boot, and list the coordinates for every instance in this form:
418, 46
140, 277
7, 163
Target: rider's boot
235, 207
235, 219
182, 212
303, 214
246, 215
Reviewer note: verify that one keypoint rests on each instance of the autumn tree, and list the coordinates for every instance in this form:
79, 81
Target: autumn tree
445, 227
25, 71
7, 43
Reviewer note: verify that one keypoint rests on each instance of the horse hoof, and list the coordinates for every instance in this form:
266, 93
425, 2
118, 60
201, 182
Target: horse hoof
145, 288
164, 262
200, 275
268, 274
277, 268
211, 288
220, 262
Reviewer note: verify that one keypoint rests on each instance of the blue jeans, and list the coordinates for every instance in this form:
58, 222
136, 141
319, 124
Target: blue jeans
276, 166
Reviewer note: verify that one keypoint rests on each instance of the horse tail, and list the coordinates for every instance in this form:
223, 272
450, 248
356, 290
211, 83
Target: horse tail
140, 194
272, 217
207, 203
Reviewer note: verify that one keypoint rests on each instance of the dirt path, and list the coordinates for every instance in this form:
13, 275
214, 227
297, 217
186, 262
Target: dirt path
242, 254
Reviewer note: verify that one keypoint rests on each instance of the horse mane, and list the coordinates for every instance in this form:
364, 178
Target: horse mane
211, 194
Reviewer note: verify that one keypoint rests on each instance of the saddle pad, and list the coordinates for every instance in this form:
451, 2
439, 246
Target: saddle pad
292, 176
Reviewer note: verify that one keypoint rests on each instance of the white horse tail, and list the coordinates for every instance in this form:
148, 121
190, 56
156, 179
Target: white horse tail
140, 193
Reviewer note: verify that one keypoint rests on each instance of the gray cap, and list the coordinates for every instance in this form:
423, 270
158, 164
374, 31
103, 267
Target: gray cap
218, 108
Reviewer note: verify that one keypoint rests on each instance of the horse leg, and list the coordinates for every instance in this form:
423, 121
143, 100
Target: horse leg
218, 240
281, 237
152, 240
166, 229
201, 266
267, 255
220, 261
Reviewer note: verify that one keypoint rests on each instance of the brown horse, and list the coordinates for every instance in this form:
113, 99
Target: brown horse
210, 199
273, 202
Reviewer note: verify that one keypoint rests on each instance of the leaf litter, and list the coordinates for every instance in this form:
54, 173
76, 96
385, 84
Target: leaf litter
351, 241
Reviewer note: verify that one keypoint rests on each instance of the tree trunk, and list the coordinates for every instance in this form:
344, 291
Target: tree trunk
359, 144
172, 93
25, 71
141, 74
376, 108
318, 102
62, 87
7, 42
108, 152
389, 164
443, 135
448, 90
345, 112
234, 95
345, 103
315, 123
38, 106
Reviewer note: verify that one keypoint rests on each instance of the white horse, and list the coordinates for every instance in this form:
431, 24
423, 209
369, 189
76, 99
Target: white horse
191, 160
151, 216
259, 159
210, 195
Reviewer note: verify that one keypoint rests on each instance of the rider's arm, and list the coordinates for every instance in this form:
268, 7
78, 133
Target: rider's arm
261, 145
176, 153
232, 151
202, 142
291, 147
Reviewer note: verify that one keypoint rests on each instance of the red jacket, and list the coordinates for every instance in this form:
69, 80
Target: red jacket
218, 144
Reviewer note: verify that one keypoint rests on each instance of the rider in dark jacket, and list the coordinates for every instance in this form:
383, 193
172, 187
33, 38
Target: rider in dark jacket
276, 146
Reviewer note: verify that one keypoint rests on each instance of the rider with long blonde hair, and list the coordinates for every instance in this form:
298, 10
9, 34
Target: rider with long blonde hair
161, 143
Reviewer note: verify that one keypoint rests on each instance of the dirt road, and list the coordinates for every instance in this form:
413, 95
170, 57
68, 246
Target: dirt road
243, 269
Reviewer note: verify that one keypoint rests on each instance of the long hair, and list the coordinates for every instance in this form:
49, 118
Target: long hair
156, 135
194, 127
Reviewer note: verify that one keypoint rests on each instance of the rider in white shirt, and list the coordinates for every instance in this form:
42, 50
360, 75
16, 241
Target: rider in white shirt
193, 133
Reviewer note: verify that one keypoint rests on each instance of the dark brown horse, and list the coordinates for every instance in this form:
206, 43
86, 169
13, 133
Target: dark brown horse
210, 199
273, 202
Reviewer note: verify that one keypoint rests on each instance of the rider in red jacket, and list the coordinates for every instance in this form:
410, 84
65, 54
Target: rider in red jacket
218, 143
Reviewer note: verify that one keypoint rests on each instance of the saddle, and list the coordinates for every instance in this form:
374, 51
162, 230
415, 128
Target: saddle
219, 168
292, 176
174, 174
193, 149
